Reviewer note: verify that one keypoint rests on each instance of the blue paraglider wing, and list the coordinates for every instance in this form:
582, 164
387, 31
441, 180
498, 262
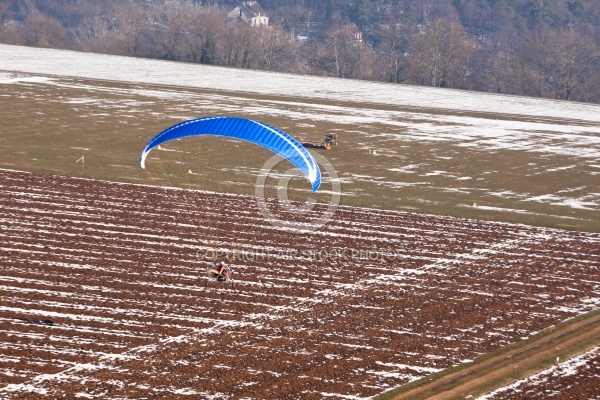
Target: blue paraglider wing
255, 132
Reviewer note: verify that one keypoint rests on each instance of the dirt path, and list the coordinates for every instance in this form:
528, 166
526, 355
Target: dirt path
511, 365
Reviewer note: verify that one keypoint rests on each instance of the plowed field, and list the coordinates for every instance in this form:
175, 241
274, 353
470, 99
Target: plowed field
103, 293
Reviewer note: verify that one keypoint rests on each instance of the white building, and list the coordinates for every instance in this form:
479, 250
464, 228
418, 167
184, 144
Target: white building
251, 13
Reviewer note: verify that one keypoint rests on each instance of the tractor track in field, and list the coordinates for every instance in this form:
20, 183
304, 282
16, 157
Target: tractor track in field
510, 365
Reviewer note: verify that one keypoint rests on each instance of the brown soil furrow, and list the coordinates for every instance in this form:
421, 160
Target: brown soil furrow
372, 300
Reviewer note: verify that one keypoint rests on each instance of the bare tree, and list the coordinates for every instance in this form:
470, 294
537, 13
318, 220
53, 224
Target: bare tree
440, 55
276, 48
568, 61
4, 17
525, 78
561, 64
4, 12
172, 22
94, 34
41, 30
393, 44
238, 46
344, 51
132, 29
206, 35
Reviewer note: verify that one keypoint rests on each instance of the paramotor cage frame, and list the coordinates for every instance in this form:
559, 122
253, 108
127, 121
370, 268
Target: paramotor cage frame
220, 274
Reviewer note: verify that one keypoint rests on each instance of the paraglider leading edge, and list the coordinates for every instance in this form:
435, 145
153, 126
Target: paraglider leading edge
251, 131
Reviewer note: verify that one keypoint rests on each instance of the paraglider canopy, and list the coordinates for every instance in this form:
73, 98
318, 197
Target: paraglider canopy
255, 132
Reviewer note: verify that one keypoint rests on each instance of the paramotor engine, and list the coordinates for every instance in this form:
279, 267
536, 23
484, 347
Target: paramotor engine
220, 271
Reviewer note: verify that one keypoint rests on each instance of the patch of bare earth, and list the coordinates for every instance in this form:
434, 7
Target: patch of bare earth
103, 293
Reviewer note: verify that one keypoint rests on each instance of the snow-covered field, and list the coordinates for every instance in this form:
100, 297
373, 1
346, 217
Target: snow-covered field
496, 121
102, 285
127, 69
437, 150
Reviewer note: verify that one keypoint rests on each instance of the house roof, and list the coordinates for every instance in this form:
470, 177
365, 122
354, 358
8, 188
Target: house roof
252, 9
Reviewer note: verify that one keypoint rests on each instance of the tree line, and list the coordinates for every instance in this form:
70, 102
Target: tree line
542, 48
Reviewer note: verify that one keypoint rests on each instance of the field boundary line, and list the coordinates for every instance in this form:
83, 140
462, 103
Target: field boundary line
506, 365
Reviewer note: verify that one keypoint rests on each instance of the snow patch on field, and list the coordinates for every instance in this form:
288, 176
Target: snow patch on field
548, 377
139, 70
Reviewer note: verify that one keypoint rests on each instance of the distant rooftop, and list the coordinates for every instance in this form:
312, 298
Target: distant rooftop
250, 12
